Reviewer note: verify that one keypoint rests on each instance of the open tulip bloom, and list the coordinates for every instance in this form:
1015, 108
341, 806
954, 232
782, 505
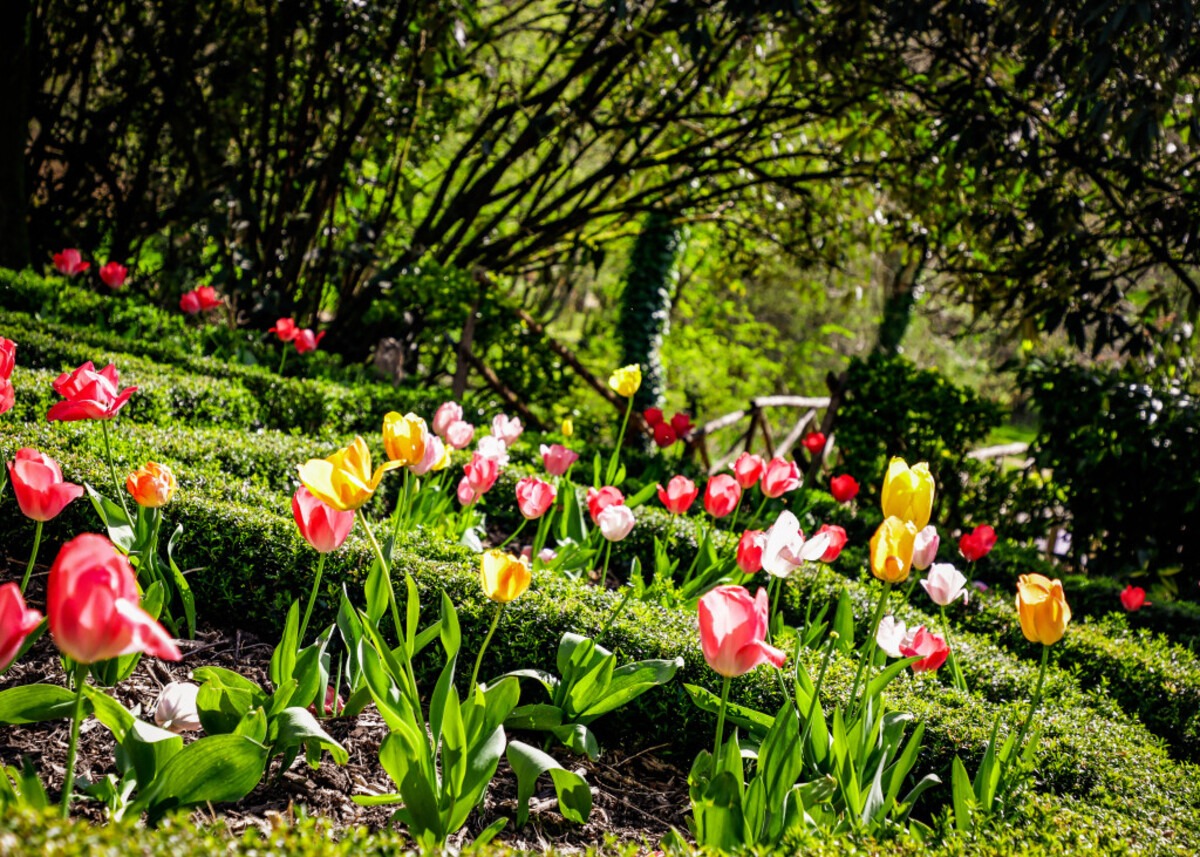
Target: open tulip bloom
41, 493
786, 548
17, 622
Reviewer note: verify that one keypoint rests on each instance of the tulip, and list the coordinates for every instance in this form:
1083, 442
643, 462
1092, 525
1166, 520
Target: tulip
931, 648
459, 434
447, 414
1132, 598
599, 500
615, 522
721, 495
17, 622
94, 607
837, 541
844, 488
37, 482
750, 551
8, 396
504, 576
481, 474
786, 548
892, 550
534, 497
653, 416
1042, 608
748, 469
88, 394
679, 494
978, 543
189, 303
557, 459
285, 329
152, 485
344, 480
681, 423
70, 262
404, 438
176, 709
436, 457
925, 548
113, 274
814, 442
493, 448
568, 427
945, 584
733, 631
208, 298
307, 341
507, 429
664, 436
321, 525
626, 380
8, 358
908, 493
892, 636
779, 477
466, 494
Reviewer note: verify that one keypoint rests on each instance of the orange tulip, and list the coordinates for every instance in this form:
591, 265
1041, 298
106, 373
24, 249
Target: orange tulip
152, 485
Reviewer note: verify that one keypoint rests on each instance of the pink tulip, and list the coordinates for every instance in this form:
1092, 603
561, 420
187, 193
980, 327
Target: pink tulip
679, 494
733, 631
8, 358
978, 543
494, 448
534, 497
16, 623
925, 548
285, 329
779, 477
446, 415
837, 541
748, 469
113, 274
38, 483
466, 494
615, 522
8, 396
89, 395
931, 647
94, 606
435, 451
70, 262
481, 474
945, 584
844, 488
507, 429
557, 459
598, 501
189, 303
322, 526
459, 434
307, 341
721, 495
750, 551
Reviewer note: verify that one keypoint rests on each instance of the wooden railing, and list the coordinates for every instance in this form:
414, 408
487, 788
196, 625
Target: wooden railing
758, 426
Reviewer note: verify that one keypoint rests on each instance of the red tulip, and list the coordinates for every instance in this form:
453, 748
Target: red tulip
481, 474
598, 501
94, 606
931, 647
89, 395
664, 435
8, 357
534, 497
322, 526
748, 469
780, 477
733, 631
70, 262
976, 544
558, 459
682, 424
307, 341
1133, 598
844, 488
750, 551
189, 303
285, 329
814, 442
8, 396
16, 623
837, 541
721, 495
38, 483
208, 298
679, 494
653, 416
113, 274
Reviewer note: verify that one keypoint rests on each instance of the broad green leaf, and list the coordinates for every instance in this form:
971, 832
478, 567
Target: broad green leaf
578, 738
755, 722
539, 717
34, 703
283, 659
876, 686
119, 527
149, 748
214, 769
843, 622
297, 726
116, 717
628, 683
963, 796
648, 492
528, 763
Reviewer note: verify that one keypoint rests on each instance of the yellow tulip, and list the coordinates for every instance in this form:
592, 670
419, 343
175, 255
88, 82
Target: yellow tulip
1043, 608
908, 493
626, 380
892, 550
443, 461
152, 485
344, 480
404, 438
504, 576
568, 427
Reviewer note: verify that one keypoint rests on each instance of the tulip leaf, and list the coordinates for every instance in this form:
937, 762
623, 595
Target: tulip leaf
528, 763
876, 686
578, 739
647, 493
377, 597
843, 622
963, 796
629, 682
297, 727
225, 698
34, 703
538, 717
755, 722
118, 525
148, 749
186, 596
448, 628
116, 717
283, 659
214, 769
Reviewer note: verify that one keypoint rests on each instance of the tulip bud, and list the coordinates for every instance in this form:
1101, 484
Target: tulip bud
1133, 598
534, 497
892, 550
507, 429
404, 438
908, 493
446, 415
748, 469
750, 551
844, 488
1042, 608
978, 543
615, 522
176, 709
925, 548
37, 482
557, 459
152, 485
721, 495
837, 541
679, 494
814, 442
504, 576
780, 477
626, 380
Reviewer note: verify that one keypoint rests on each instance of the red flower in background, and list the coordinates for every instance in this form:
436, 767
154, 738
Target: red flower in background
113, 274
307, 341
89, 395
837, 541
1133, 598
285, 329
653, 416
664, 435
70, 262
814, 442
681, 423
978, 543
844, 488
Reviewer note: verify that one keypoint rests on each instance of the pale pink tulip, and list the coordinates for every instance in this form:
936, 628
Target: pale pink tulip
733, 631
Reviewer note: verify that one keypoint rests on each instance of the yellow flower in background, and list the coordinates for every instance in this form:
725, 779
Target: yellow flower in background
892, 550
152, 485
404, 438
1042, 606
504, 576
568, 427
626, 380
344, 480
443, 460
908, 492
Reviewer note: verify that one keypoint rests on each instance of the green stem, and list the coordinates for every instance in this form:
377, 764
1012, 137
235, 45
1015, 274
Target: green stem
1036, 701
282, 360
400, 512
112, 471
80, 676
761, 507
736, 511
616, 611
956, 673
312, 599
604, 571
720, 722
696, 559
616, 459
483, 648
37, 543
515, 533
387, 574
539, 539
812, 705
868, 651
